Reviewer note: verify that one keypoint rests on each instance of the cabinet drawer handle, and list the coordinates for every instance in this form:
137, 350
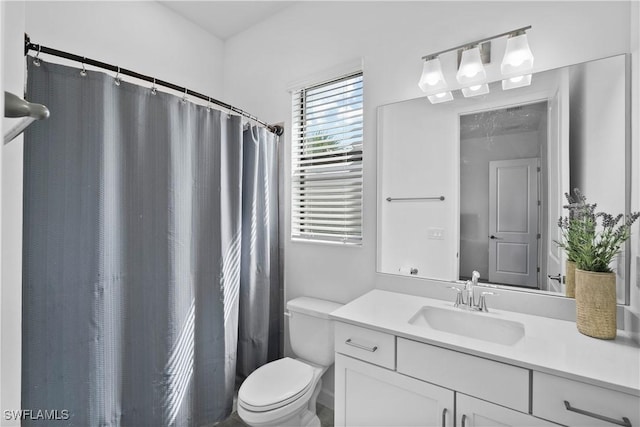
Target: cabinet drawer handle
360, 346
444, 417
625, 421
464, 420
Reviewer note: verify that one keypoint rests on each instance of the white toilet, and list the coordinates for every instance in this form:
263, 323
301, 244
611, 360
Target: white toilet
284, 392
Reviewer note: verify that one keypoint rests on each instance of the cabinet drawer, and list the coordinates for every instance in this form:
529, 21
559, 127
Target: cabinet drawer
475, 412
605, 407
366, 344
497, 382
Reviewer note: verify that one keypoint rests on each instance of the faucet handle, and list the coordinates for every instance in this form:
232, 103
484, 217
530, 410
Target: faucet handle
459, 297
482, 303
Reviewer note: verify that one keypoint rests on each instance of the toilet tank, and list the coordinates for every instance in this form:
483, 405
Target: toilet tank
311, 330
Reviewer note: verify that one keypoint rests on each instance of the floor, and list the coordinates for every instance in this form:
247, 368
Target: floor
325, 414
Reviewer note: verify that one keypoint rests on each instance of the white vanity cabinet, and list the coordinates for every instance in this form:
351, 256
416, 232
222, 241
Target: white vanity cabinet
391, 371
383, 380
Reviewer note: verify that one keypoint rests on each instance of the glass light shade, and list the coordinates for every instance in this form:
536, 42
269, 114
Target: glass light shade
432, 79
517, 81
518, 59
440, 97
471, 70
475, 90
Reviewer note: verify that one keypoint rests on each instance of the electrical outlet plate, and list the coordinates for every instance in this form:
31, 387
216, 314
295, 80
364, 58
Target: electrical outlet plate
435, 233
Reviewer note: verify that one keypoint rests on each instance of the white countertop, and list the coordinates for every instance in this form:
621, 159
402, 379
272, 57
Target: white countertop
549, 345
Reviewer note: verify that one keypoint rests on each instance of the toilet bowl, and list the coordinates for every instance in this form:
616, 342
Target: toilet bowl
284, 392
281, 393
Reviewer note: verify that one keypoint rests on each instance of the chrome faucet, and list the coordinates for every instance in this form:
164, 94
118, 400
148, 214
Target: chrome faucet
470, 288
465, 297
474, 278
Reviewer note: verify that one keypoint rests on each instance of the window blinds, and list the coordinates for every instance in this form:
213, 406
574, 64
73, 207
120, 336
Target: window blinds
326, 197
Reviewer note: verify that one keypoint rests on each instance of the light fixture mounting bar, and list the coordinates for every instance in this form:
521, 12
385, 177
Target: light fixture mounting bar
433, 55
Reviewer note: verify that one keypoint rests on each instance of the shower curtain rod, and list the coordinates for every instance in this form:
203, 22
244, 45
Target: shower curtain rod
38, 48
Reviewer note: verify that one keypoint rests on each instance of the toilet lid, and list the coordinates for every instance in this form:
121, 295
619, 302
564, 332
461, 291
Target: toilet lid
275, 384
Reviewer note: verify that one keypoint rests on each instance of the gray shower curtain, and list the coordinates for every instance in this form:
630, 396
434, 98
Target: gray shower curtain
260, 295
133, 234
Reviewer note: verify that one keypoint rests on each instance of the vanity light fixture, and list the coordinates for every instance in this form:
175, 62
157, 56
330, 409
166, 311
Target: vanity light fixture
517, 62
518, 59
471, 71
516, 67
432, 80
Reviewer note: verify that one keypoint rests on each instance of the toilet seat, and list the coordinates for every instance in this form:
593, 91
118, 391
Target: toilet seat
275, 385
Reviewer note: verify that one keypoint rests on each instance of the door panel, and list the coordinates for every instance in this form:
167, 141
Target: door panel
513, 222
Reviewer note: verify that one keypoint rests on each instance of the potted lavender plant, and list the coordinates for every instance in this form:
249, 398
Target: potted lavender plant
596, 239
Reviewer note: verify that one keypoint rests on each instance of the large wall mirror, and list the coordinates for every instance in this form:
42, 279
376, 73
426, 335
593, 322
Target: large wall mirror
478, 183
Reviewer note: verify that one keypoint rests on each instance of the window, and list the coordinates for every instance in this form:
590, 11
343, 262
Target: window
326, 196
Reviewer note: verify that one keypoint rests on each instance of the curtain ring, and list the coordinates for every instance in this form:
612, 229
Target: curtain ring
153, 88
184, 97
117, 79
83, 72
230, 111
209, 105
36, 60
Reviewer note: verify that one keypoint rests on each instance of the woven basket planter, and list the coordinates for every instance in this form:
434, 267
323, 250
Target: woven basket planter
596, 304
570, 285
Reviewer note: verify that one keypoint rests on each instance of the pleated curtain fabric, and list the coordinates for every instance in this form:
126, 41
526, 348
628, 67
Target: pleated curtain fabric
260, 294
132, 253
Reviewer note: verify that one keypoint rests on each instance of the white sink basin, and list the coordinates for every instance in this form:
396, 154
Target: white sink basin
469, 324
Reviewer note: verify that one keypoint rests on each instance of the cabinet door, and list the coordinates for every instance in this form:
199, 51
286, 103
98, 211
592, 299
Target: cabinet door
478, 413
368, 395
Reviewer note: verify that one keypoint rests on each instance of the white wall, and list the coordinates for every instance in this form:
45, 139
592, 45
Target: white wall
391, 37
11, 229
142, 36
2, 127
